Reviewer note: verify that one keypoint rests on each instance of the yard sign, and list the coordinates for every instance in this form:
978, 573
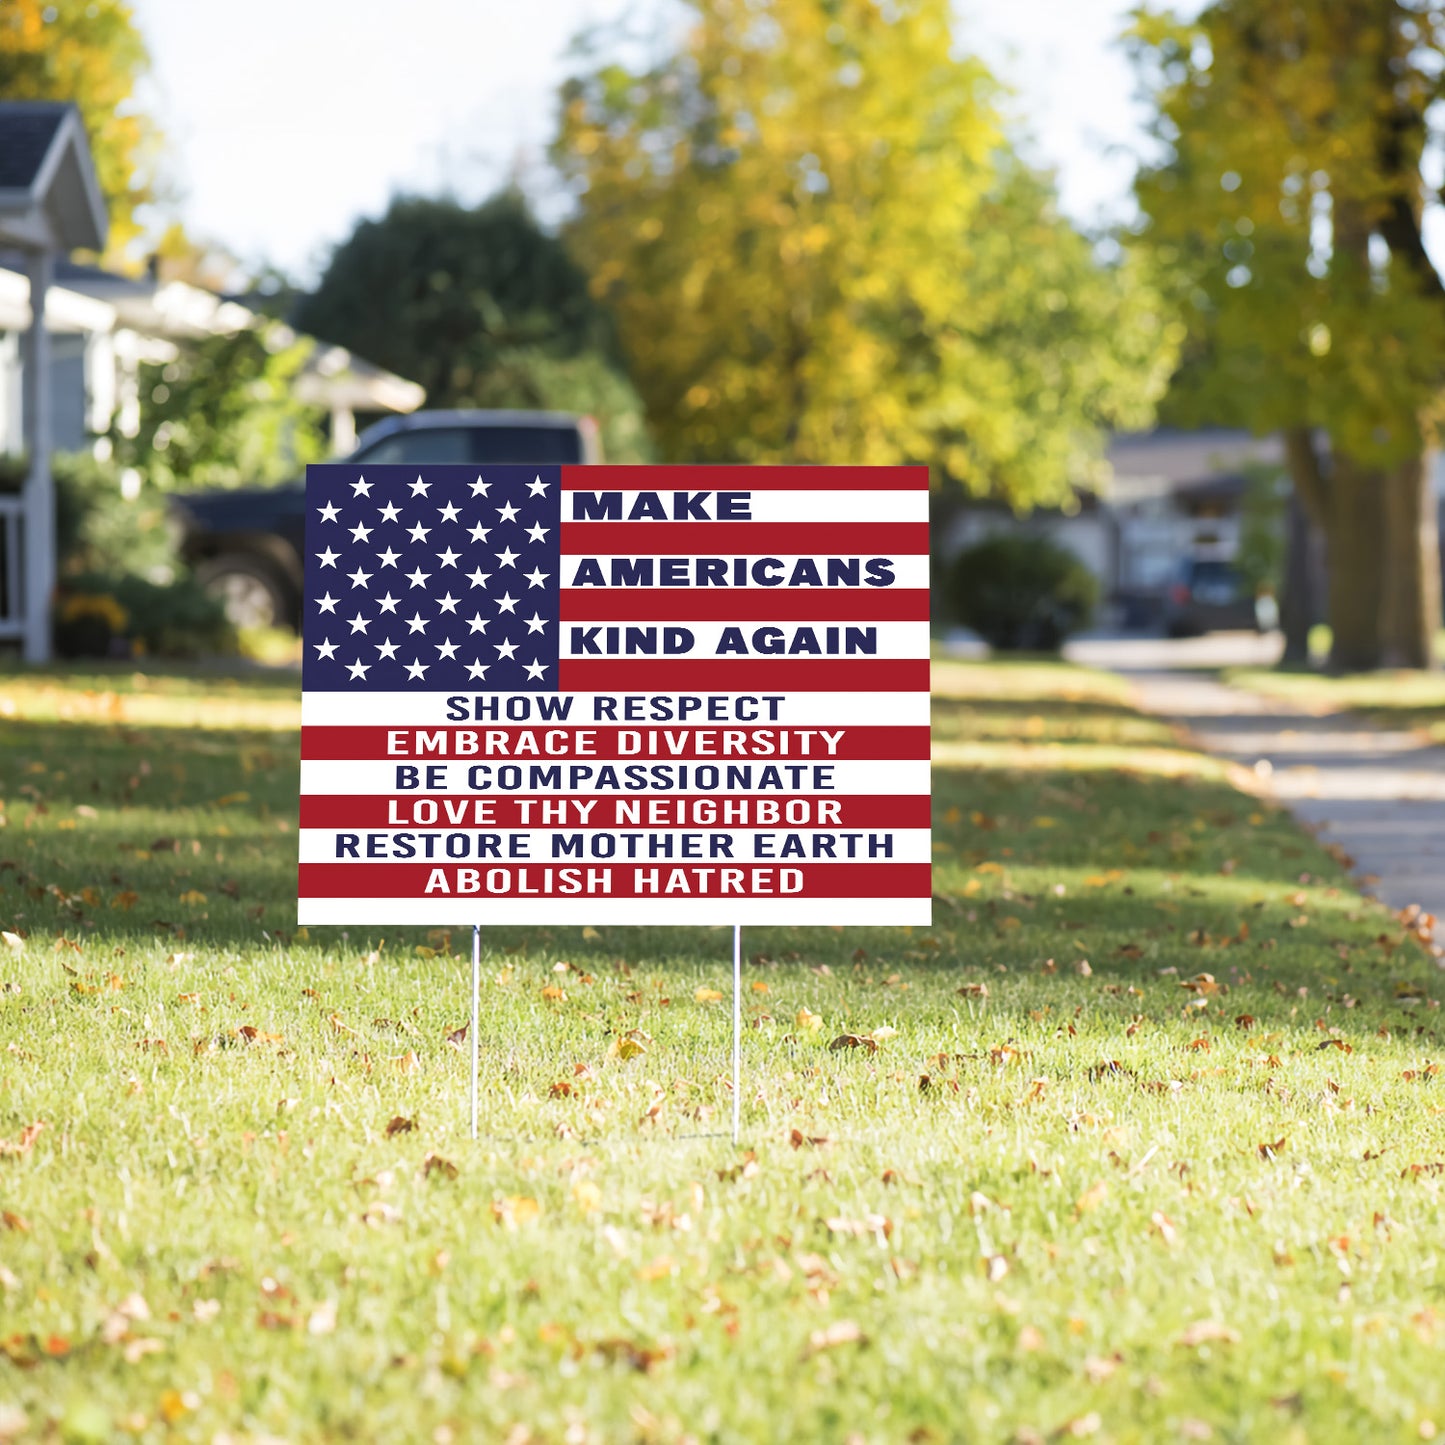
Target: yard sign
653, 695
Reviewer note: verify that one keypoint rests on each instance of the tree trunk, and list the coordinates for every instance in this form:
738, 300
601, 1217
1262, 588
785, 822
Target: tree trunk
1299, 605
1355, 537
1410, 607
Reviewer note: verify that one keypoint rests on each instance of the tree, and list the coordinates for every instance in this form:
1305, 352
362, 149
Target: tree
1288, 199
225, 414
482, 307
818, 247
88, 52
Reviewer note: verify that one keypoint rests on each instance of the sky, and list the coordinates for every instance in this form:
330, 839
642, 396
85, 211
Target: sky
287, 127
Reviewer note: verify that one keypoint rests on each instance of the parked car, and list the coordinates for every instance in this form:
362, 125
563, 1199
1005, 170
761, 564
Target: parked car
246, 546
1210, 596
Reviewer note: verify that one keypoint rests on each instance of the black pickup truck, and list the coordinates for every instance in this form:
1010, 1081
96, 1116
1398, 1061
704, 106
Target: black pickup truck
246, 546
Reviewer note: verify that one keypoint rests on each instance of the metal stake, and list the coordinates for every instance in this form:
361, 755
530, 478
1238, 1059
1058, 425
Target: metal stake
737, 1028
476, 1011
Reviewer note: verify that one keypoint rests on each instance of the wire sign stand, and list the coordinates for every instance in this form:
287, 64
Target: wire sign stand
737, 1058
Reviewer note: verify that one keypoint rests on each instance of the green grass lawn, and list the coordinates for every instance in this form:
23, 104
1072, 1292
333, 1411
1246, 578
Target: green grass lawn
1143, 1141
1414, 701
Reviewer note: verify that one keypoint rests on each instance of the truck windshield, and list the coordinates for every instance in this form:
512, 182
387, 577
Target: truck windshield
477, 444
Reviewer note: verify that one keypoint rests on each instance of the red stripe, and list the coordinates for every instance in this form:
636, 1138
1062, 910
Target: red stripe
781, 674
339, 810
743, 604
819, 880
691, 539
649, 743
745, 479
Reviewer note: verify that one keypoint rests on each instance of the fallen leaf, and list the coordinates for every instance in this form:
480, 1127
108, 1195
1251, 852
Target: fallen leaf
14, 1148
399, 1124
1204, 1332
808, 1021
1092, 1197
322, 1320
830, 1337
12, 940
706, 995
435, 1164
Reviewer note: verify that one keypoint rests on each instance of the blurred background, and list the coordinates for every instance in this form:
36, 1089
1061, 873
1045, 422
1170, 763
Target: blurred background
1151, 290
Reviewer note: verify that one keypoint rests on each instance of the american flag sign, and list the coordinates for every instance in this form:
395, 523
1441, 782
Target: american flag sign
614, 694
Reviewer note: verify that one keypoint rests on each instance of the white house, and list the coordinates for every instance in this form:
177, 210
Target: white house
98, 329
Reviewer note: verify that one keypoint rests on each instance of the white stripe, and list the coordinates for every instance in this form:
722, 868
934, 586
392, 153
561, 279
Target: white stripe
515, 847
909, 570
607, 912
377, 778
770, 506
796, 709
703, 640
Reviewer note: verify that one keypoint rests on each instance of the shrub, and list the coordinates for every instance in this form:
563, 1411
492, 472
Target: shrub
104, 527
119, 616
1022, 593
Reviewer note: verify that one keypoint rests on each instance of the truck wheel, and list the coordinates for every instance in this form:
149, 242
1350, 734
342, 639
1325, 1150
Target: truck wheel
250, 591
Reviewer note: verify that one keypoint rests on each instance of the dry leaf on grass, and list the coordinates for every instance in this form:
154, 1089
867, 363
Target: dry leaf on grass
830, 1337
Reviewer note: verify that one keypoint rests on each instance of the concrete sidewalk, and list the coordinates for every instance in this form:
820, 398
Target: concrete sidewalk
1379, 795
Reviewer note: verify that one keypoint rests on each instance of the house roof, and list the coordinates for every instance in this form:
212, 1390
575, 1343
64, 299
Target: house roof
49, 198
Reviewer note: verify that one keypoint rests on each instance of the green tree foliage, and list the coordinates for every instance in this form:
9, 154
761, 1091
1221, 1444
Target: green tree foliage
1288, 201
482, 307
225, 414
819, 248
89, 52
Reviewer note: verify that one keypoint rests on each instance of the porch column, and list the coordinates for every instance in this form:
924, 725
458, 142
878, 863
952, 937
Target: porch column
39, 494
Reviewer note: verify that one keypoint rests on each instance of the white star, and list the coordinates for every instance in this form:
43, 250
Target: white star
389, 512
536, 577
328, 512
448, 558
327, 649
447, 649
361, 487
479, 623
359, 623
507, 557
505, 649
417, 578
507, 512
506, 603
477, 669
537, 531
417, 670
359, 578
360, 533
358, 669
419, 487
480, 488
479, 578
327, 603
418, 533
448, 513
387, 648
536, 670
479, 533
448, 603
536, 623
417, 623
328, 557
388, 603
387, 558
537, 488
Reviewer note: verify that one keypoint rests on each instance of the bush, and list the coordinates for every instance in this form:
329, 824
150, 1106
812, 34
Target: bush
1022, 593
119, 616
105, 527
